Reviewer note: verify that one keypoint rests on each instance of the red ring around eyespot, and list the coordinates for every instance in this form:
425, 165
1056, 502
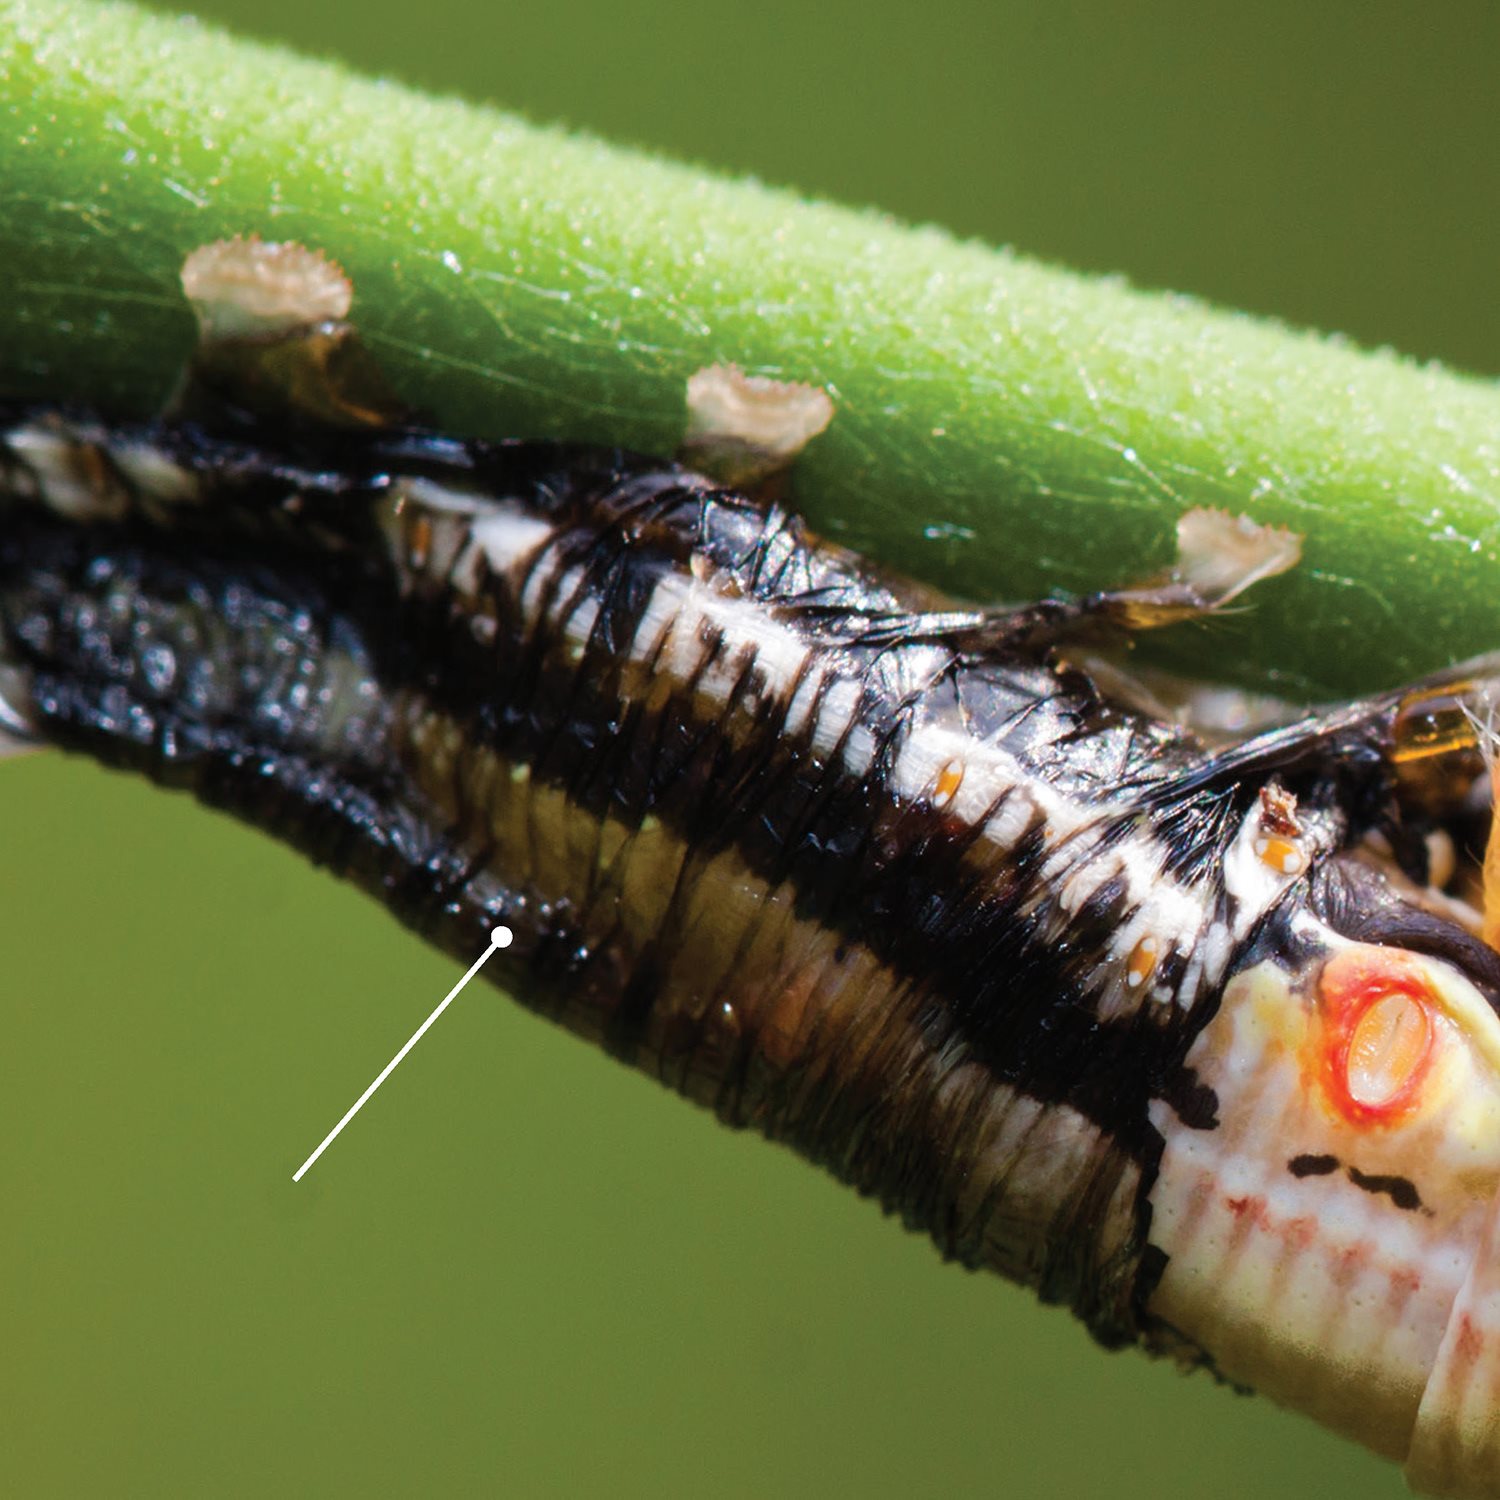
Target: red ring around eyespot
1354, 981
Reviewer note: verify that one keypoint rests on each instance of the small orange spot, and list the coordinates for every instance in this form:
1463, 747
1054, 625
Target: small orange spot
1141, 964
419, 541
948, 781
1282, 855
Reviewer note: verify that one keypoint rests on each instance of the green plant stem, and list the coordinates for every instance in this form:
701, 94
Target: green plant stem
1004, 428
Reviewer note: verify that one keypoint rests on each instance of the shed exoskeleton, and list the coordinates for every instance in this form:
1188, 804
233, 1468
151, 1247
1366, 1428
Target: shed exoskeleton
1201, 1039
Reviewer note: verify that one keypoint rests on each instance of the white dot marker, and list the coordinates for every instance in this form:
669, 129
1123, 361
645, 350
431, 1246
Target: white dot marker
500, 937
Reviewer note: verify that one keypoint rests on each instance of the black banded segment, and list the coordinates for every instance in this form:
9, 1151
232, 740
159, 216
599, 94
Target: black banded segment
791, 836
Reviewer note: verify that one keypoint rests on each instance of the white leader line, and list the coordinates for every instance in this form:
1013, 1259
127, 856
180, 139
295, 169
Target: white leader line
501, 937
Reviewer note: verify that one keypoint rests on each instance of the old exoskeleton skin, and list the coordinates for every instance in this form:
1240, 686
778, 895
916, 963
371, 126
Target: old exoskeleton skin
1187, 1037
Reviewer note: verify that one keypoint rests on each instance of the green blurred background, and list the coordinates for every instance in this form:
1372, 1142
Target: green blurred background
525, 1271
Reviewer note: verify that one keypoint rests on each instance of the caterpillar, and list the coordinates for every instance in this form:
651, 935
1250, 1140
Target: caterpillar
1199, 1037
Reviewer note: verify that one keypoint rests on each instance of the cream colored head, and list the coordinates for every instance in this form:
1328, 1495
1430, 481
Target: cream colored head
1329, 1241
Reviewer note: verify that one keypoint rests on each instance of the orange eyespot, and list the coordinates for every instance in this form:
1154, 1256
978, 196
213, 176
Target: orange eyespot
1386, 1048
949, 778
1141, 964
1283, 855
1378, 1033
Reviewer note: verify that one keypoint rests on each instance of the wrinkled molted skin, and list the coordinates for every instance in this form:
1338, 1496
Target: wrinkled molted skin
1184, 1036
